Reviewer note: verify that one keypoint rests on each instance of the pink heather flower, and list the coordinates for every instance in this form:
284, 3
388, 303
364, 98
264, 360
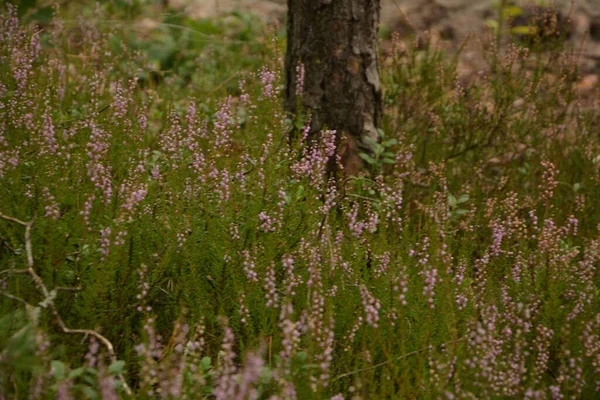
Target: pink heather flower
516, 271
155, 173
226, 384
222, 126
181, 239
98, 171
291, 280
290, 336
461, 301
91, 356
498, 233
267, 79
171, 141
234, 232
193, 133
371, 306
249, 266
134, 197
120, 239
10, 24
356, 227
573, 224
143, 290
249, 376
49, 145
315, 156
401, 286
330, 198
549, 181
63, 389
349, 338
325, 357
392, 202
142, 121
267, 223
107, 387
9, 158
244, 96
51, 209
372, 221
150, 352
24, 54
244, 312
430, 275
459, 273
87, 209
120, 100
270, 287
225, 191
383, 264
105, 242
306, 129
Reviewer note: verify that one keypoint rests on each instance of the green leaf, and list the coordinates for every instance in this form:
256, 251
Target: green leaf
389, 142
492, 23
116, 367
300, 192
205, 363
301, 356
90, 380
58, 369
524, 30
513, 11
266, 375
88, 392
368, 158
388, 161
76, 372
463, 198
371, 142
452, 201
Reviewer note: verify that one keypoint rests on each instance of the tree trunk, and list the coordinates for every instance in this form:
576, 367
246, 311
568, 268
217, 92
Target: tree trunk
336, 43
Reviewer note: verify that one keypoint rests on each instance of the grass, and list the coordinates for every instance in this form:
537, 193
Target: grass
168, 217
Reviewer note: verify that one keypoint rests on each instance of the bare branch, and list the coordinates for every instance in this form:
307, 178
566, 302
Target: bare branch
48, 298
15, 298
18, 221
14, 271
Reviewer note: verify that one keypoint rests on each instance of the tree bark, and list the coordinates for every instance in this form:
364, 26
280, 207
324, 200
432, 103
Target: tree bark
336, 42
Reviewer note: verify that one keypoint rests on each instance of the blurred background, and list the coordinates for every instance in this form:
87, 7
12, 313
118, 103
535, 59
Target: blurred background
173, 31
449, 20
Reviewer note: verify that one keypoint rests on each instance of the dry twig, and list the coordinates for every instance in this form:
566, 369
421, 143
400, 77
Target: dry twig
49, 300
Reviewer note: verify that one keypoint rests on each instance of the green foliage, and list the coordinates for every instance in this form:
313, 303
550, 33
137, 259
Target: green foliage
173, 215
380, 154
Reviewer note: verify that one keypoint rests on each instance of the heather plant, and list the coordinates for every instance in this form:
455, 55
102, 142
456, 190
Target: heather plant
162, 236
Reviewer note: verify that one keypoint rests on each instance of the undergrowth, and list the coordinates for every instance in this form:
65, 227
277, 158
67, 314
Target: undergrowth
165, 209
